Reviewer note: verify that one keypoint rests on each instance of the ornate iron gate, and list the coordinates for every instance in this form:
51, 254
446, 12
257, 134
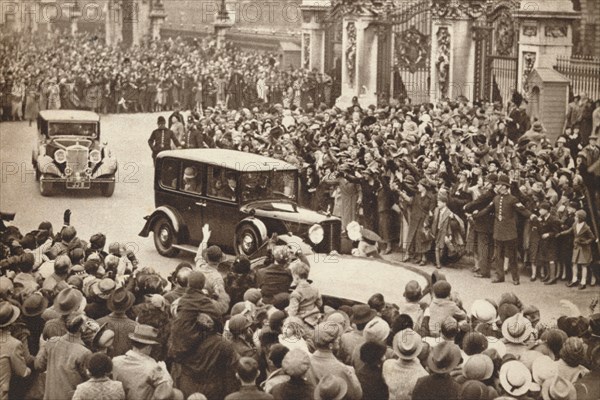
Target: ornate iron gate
333, 54
411, 40
501, 61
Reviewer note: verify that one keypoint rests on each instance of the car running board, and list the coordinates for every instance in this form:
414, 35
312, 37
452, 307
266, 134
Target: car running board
186, 247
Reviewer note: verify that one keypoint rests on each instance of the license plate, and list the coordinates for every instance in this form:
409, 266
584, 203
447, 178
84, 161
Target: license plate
78, 184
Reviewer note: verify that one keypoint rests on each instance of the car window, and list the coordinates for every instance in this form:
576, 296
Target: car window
222, 183
169, 173
268, 185
88, 129
191, 178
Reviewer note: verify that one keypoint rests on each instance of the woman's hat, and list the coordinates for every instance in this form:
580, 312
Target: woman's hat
444, 357
515, 378
144, 334
517, 329
120, 300
407, 344
558, 388
67, 301
331, 388
35, 304
8, 314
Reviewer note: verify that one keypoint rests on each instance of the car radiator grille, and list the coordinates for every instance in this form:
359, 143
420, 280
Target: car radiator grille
77, 158
332, 237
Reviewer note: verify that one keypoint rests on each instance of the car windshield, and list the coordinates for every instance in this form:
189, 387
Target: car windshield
87, 129
269, 185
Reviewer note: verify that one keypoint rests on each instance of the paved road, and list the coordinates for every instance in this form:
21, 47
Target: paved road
121, 216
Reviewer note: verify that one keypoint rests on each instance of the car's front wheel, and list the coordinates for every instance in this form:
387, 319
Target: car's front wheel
247, 240
108, 189
46, 188
164, 237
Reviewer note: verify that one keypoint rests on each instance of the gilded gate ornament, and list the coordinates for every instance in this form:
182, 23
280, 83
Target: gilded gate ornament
351, 53
504, 33
442, 63
411, 49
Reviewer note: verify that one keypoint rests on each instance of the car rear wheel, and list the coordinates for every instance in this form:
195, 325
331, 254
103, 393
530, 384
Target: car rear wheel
108, 189
46, 188
247, 241
164, 237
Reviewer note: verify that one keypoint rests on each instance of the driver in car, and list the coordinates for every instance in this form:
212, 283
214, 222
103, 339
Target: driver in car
190, 184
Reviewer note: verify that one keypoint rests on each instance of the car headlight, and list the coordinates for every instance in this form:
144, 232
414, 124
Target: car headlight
60, 156
95, 156
316, 234
68, 171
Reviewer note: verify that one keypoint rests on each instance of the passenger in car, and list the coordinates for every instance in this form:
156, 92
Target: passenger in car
228, 191
190, 183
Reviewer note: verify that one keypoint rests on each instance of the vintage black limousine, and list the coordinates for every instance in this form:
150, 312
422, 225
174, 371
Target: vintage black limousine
244, 198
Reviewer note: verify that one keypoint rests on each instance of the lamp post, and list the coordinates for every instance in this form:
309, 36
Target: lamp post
222, 24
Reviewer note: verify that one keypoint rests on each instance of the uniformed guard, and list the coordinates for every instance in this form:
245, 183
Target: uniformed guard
161, 138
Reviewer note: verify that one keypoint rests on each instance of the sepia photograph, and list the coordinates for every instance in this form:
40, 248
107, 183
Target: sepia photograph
299, 199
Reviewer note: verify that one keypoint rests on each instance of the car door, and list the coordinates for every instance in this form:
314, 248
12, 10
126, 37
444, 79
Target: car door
222, 212
191, 200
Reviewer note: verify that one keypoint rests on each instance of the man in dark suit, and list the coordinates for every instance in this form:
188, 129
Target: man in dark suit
483, 226
506, 207
229, 191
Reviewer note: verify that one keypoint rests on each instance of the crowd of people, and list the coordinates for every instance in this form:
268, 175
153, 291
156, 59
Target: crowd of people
82, 72
433, 181
83, 320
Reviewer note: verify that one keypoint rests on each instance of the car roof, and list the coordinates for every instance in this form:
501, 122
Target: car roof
230, 159
69, 115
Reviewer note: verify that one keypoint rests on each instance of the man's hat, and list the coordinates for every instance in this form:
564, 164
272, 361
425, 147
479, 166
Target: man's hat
503, 180
8, 314
444, 357
120, 300
483, 311
515, 378
35, 304
478, 367
238, 323
103, 288
362, 313
517, 329
331, 387
296, 363
558, 388
144, 334
161, 120
67, 301
407, 344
